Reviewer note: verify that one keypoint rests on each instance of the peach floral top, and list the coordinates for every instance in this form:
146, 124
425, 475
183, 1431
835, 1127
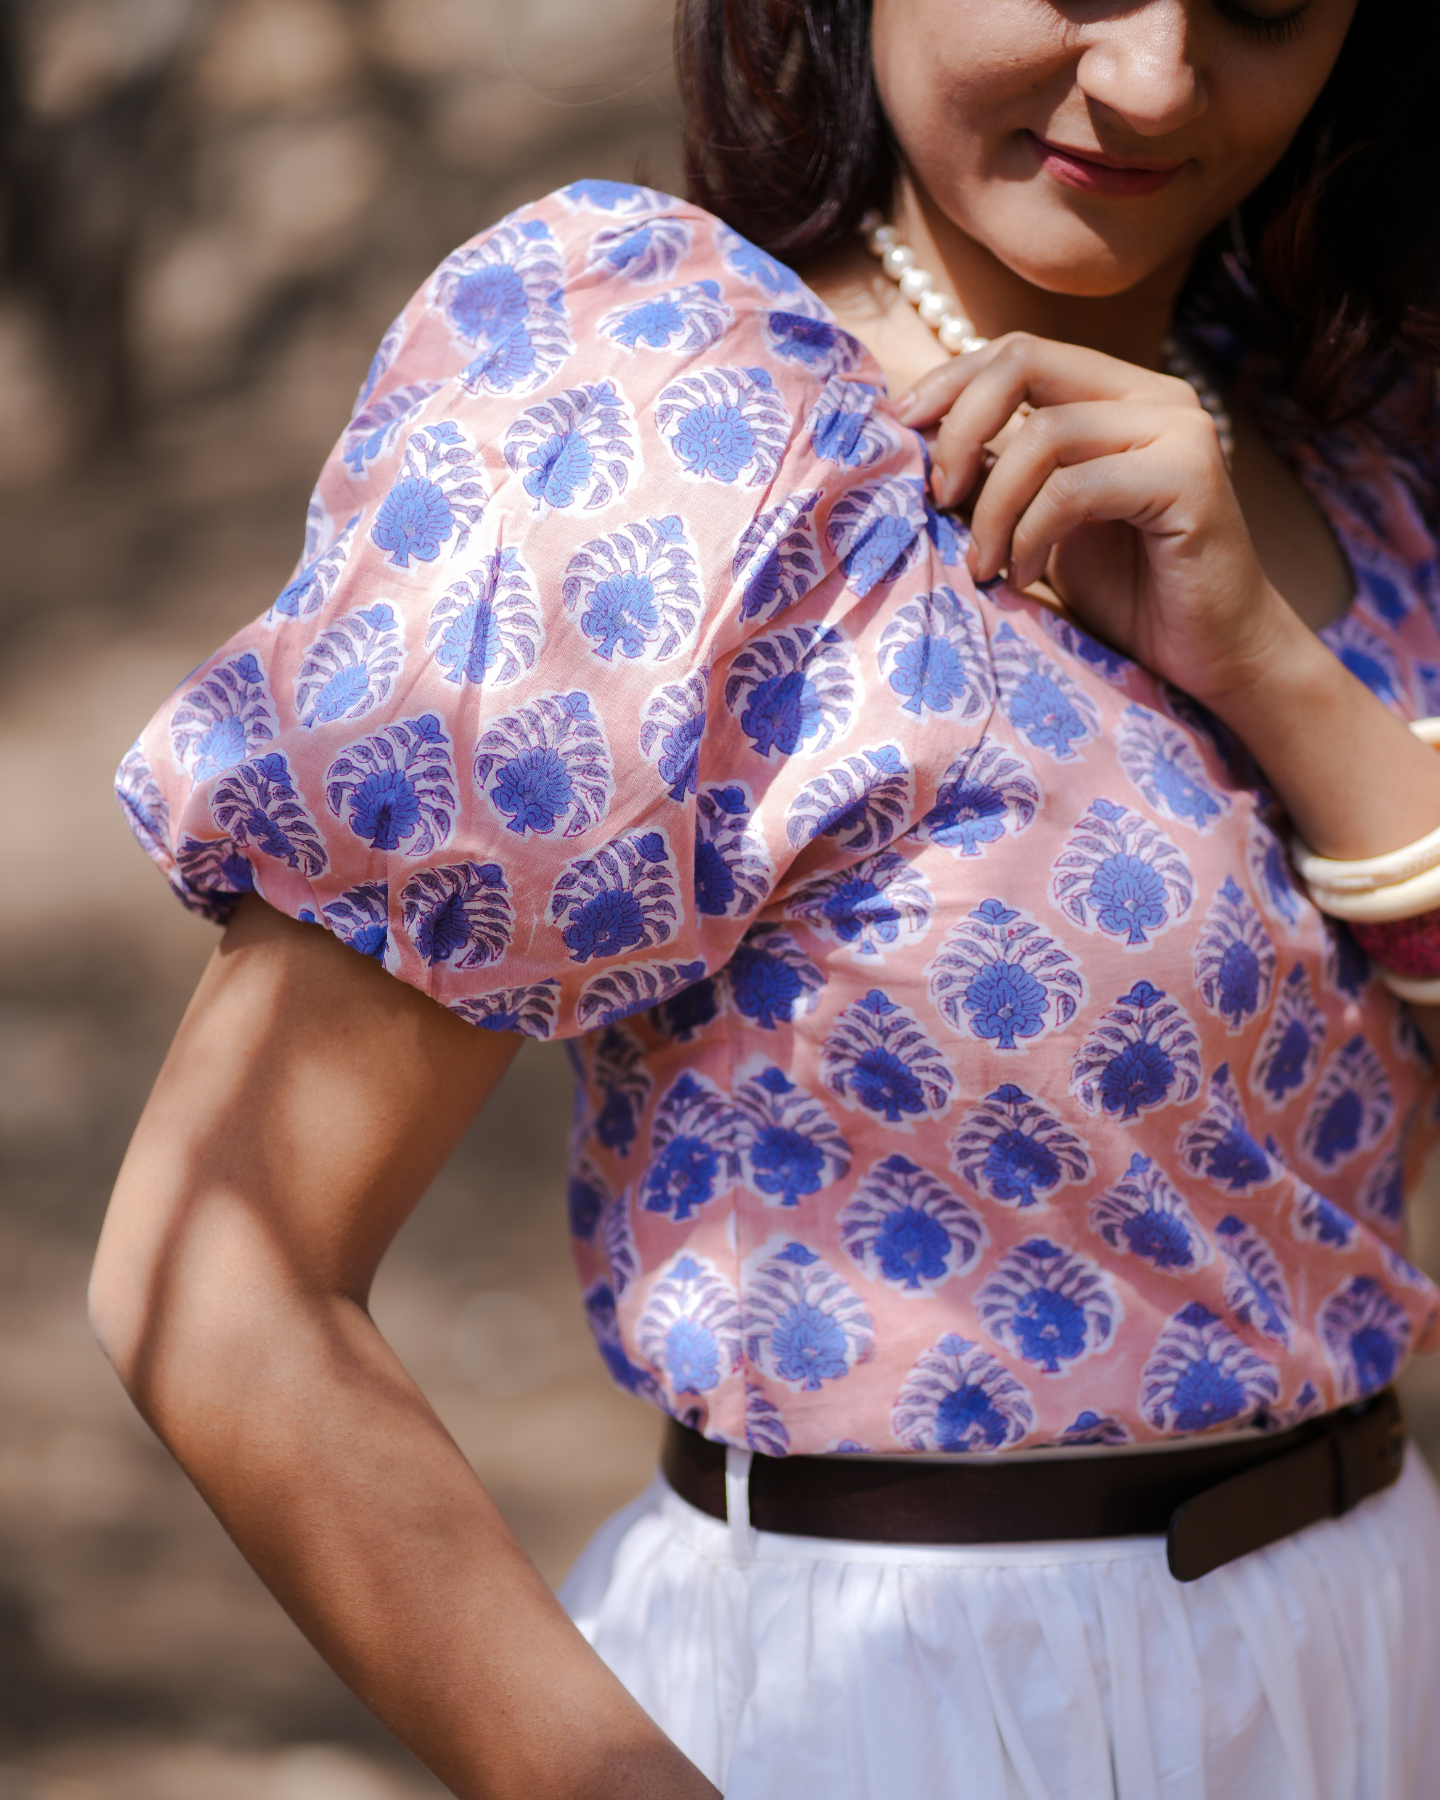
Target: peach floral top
960, 1066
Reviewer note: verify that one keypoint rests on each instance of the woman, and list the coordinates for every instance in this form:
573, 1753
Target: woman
967, 1086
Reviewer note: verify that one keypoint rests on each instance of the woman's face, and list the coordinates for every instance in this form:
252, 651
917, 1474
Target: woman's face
1091, 144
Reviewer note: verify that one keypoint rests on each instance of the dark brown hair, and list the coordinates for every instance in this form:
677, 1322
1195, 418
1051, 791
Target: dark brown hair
1333, 263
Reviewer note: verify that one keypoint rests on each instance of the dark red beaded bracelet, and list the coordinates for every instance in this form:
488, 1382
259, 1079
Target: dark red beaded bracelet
1406, 946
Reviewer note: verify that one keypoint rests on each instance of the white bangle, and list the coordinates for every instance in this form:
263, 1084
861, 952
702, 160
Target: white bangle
1371, 874
1408, 987
1400, 900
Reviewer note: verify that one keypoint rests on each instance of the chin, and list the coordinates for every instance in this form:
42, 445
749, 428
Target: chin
1063, 256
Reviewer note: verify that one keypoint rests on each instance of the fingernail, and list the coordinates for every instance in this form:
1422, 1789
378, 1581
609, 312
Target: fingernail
905, 405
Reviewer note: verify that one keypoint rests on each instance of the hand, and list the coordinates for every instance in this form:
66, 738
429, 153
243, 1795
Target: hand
1114, 489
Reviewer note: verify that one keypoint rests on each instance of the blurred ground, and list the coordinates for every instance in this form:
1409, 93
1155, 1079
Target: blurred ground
215, 206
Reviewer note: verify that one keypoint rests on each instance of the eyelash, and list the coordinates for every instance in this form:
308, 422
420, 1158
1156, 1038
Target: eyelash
1272, 30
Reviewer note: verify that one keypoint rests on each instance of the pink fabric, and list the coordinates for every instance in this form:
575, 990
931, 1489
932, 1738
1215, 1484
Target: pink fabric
960, 1065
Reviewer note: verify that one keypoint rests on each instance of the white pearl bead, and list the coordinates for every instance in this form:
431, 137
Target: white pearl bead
897, 259
953, 331
934, 306
882, 238
973, 343
872, 221
916, 283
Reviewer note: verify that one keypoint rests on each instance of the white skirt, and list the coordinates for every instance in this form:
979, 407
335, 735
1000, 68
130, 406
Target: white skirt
803, 1669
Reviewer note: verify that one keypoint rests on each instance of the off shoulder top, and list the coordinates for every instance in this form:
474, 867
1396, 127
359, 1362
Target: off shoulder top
960, 1067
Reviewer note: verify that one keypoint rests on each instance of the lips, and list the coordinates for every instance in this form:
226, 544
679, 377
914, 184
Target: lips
1110, 177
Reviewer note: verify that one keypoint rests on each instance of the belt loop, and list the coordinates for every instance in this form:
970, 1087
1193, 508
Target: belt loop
737, 1504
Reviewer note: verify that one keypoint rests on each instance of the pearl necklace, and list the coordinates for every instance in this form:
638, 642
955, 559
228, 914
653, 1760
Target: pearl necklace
957, 335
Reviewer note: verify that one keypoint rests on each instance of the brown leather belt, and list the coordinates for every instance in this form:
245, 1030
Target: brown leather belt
1211, 1501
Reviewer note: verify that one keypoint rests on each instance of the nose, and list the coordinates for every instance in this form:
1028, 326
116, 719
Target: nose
1139, 64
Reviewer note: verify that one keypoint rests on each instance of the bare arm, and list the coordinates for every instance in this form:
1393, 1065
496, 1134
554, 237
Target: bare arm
306, 1104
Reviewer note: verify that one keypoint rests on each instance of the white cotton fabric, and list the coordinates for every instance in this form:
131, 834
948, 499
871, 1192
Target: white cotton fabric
804, 1669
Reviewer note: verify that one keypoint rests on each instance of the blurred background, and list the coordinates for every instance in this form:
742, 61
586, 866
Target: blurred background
209, 211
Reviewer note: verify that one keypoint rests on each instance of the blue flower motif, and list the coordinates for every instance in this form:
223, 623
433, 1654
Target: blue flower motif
878, 529
1049, 1305
1144, 1215
614, 197
1255, 1288
776, 558
439, 496
793, 1148
385, 353
1270, 875
690, 1328
258, 806
1091, 1428
1353, 1107
685, 320
312, 584
1013, 1149
878, 1057
1044, 705
1219, 1144
796, 684
1290, 1048
1096, 656
375, 429
146, 809
1002, 979
460, 914
1347, 967
350, 668
986, 791
223, 719
1143, 1053
695, 1142
587, 1194
1200, 1375
1234, 958
684, 1015
1368, 657
398, 785
576, 445
959, 1398
1121, 875
642, 249
624, 897
769, 979
619, 1085
361, 919
843, 425
1381, 1198
1317, 1220
722, 423
1366, 1334
752, 265
504, 294
636, 591
487, 626
672, 725
904, 1226
210, 876
1166, 770
802, 1324
733, 870
870, 908
634, 987
546, 763
861, 802
531, 1010
933, 653
765, 1430
815, 344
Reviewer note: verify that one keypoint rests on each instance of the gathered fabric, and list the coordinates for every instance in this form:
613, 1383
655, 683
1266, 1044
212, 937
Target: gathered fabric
799, 1667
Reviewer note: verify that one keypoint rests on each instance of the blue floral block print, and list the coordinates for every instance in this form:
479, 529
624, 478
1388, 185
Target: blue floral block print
878, 530
619, 1076
1255, 1288
683, 320
986, 793
1366, 1337
934, 656
374, 430
792, 1147
259, 807
695, 1144
487, 627
1166, 771
769, 979
754, 267
802, 1325
904, 1226
765, 1431
530, 1010
397, 788
223, 719
636, 591
1048, 709
878, 905
641, 248
843, 426
1289, 1051
959, 1398
793, 690
350, 669
587, 1194
1219, 1145
461, 915
1200, 1375
776, 558
211, 875
690, 1328
1001, 978
143, 801
616, 1236
546, 768
618, 199
604, 1323
1121, 876
733, 869
504, 296
1353, 1107
814, 344
672, 724
1144, 1215
633, 988
1270, 877
1049, 1305
1234, 958
625, 897
577, 446
1092, 1428
361, 919
725, 425
1144, 1053
880, 1059
1013, 1149
436, 500
326, 552
1381, 1199
1317, 1220
862, 802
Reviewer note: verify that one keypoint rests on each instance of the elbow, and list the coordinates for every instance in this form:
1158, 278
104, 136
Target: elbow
119, 1315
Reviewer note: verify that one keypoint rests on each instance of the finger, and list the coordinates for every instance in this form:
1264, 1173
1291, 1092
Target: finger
1056, 437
